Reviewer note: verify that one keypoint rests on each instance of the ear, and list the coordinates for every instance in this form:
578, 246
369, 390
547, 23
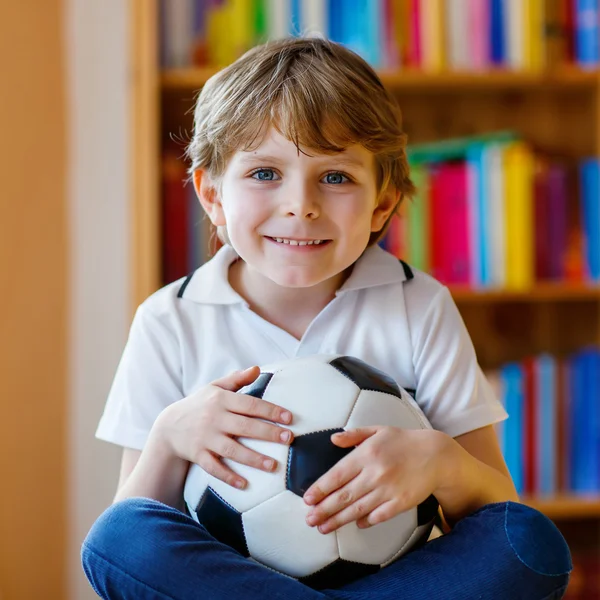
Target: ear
209, 197
388, 202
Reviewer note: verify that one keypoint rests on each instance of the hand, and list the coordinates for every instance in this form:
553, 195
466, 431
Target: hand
202, 427
390, 471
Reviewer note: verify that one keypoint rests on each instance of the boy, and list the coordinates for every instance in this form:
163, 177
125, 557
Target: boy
298, 159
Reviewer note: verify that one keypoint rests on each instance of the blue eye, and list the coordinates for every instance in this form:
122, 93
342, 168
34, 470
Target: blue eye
264, 175
336, 178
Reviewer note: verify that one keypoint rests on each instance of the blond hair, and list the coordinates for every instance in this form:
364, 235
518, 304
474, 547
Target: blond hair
316, 93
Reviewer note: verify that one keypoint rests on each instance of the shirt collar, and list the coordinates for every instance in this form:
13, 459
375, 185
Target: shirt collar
209, 284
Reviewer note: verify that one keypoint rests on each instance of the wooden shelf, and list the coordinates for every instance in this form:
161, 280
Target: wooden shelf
567, 77
566, 507
541, 292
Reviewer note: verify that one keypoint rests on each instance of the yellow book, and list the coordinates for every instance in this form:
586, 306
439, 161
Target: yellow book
241, 21
218, 34
526, 13
432, 34
537, 50
519, 243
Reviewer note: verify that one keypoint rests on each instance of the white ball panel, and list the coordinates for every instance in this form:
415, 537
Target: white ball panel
278, 536
375, 545
377, 408
304, 362
418, 534
318, 396
262, 485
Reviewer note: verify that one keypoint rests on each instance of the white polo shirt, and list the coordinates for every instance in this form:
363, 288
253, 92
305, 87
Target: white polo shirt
398, 319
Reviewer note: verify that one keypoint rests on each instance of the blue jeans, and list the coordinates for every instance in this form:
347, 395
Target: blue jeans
140, 549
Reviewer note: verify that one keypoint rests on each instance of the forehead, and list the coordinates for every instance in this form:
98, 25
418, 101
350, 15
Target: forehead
275, 146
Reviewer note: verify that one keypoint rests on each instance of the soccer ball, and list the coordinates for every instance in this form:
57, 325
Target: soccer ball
266, 521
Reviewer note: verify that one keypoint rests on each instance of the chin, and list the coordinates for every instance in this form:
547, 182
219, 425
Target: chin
297, 280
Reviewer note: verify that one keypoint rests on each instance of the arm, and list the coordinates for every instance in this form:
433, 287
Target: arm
473, 473
153, 473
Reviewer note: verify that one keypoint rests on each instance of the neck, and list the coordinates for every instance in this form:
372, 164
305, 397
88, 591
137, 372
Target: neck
292, 309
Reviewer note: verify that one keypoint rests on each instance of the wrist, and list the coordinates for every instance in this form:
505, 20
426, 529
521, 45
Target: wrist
457, 480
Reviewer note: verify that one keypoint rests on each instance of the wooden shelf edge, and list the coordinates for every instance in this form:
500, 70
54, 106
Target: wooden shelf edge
542, 292
566, 507
568, 77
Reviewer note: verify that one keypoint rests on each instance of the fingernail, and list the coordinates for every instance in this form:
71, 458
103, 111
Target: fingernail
309, 499
239, 484
268, 464
285, 436
286, 416
311, 520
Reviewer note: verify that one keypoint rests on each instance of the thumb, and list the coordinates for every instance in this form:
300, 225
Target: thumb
238, 379
352, 437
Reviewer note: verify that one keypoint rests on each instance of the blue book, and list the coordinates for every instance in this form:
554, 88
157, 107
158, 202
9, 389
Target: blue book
546, 376
590, 199
295, 18
584, 398
496, 26
478, 215
512, 378
587, 51
336, 9
373, 32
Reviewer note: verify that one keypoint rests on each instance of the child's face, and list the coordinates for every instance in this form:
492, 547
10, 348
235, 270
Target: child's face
273, 195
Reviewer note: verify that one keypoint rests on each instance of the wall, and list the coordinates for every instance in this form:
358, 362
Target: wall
97, 44
33, 302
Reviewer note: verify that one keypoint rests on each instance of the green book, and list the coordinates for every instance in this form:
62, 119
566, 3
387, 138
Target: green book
418, 220
455, 148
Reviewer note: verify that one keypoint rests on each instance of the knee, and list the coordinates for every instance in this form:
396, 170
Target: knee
121, 531
536, 541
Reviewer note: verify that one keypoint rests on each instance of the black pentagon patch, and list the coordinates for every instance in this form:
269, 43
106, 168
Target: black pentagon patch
427, 510
259, 385
365, 376
338, 573
222, 521
311, 455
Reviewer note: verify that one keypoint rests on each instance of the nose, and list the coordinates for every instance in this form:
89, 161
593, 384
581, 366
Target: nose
303, 202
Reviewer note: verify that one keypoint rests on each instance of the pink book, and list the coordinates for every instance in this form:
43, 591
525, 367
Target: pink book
451, 224
456, 219
479, 30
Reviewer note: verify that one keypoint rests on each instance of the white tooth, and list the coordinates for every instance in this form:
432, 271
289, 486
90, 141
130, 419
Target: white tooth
292, 242
278, 240
286, 241
302, 243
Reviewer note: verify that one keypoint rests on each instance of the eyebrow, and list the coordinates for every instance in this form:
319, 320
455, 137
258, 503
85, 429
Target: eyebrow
339, 160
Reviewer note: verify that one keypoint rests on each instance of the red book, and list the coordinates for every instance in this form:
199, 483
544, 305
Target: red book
174, 218
413, 58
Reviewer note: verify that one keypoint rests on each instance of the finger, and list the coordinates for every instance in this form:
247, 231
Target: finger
244, 404
354, 512
238, 379
229, 448
339, 475
353, 437
384, 512
213, 466
338, 500
249, 427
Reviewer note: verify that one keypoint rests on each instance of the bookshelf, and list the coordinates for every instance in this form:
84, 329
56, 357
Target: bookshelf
558, 111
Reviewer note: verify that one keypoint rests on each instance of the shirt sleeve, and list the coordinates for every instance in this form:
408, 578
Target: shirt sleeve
147, 380
451, 387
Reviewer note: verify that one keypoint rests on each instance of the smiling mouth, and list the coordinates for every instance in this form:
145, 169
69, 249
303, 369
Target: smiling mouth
290, 242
